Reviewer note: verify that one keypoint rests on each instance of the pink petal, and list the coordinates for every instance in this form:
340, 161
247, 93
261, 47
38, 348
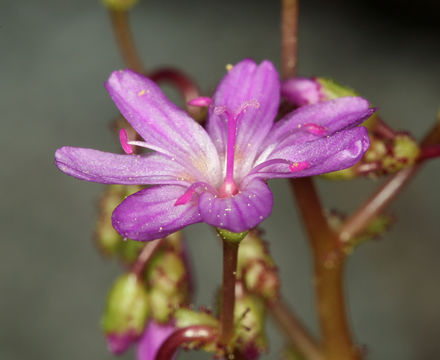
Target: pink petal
151, 213
245, 82
152, 339
163, 124
336, 152
238, 213
108, 168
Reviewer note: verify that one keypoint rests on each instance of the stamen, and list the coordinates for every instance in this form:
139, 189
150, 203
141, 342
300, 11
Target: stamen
229, 188
292, 166
299, 166
186, 197
150, 147
201, 101
315, 129
123, 138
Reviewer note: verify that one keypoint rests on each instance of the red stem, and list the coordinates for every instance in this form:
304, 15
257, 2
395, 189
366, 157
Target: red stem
199, 333
429, 152
145, 255
337, 341
295, 330
230, 252
183, 83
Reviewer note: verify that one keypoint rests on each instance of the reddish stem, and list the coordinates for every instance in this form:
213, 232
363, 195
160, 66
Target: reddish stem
295, 330
429, 152
124, 38
199, 333
230, 252
145, 255
183, 83
383, 129
337, 341
382, 198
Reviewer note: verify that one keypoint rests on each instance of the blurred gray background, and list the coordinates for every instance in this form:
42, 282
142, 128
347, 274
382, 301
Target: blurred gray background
55, 56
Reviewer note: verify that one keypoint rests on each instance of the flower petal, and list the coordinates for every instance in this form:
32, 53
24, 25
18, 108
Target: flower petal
163, 124
151, 214
336, 152
152, 339
245, 82
108, 168
238, 213
301, 91
331, 116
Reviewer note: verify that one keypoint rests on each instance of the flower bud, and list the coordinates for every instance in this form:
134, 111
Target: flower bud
126, 312
119, 5
302, 91
167, 279
256, 268
106, 237
404, 152
250, 314
187, 317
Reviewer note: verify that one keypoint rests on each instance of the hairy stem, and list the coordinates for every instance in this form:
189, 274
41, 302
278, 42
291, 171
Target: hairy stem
124, 39
295, 330
230, 252
196, 333
383, 197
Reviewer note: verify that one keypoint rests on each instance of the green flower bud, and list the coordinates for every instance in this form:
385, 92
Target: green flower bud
186, 317
127, 307
256, 268
106, 237
167, 278
120, 5
404, 152
250, 315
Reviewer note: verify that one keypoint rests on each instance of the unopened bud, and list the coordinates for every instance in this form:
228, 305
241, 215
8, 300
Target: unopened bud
126, 312
119, 5
106, 237
167, 278
250, 314
404, 152
256, 267
302, 91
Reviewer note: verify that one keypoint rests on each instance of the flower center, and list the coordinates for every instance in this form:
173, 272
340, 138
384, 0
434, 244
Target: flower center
229, 188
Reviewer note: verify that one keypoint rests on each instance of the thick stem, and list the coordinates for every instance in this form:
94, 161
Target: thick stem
196, 333
295, 330
383, 197
230, 252
328, 265
124, 39
145, 255
337, 341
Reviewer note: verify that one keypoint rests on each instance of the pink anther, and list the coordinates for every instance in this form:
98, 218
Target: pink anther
202, 101
185, 198
123, 138
299, 166
315, 129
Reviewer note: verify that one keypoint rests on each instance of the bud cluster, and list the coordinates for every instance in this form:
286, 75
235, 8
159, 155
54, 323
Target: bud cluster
154, 295
256, 267
107, 239
387, 154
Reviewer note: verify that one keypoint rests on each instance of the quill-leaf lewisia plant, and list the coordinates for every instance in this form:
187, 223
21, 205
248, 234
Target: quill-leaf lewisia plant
216, 175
